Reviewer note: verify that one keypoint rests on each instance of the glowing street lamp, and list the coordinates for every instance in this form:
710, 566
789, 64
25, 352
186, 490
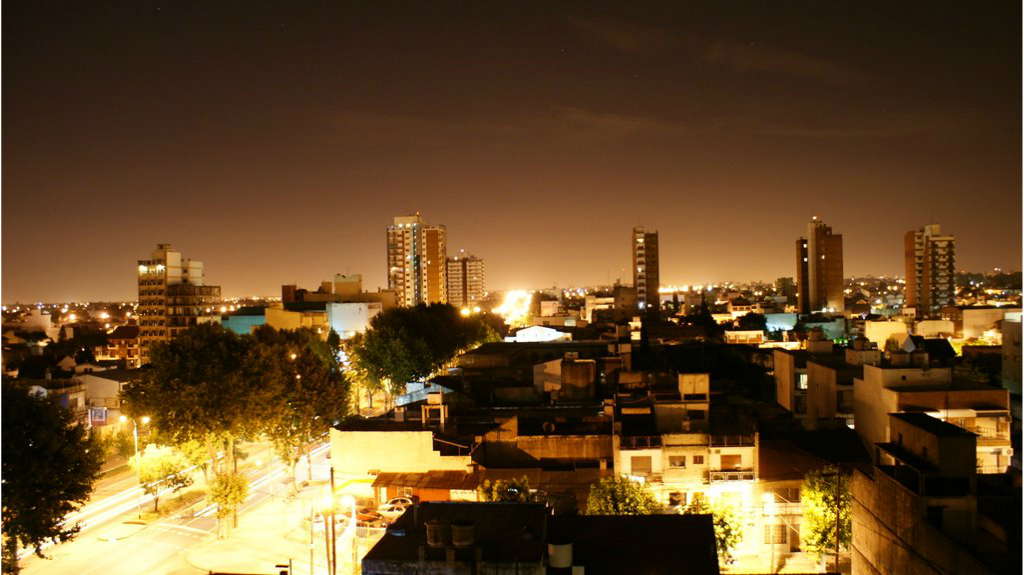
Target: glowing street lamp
135, 436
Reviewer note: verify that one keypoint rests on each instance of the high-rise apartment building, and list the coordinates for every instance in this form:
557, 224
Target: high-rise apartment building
931, 272
646, 278
172, 297
465, 280
819, 267
417, 261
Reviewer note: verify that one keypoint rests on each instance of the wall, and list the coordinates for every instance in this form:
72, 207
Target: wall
358, 452
880, 331
785, 378
243, 324
979, 320
821, 394
935, 328
348, 319
1012, 355
890, 534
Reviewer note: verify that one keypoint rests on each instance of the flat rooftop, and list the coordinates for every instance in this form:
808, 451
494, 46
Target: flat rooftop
931, 424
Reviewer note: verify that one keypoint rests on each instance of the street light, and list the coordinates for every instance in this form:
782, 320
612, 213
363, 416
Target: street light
135, 437
768, 501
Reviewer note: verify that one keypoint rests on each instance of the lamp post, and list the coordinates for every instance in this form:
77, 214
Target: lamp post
135, 437
768, 502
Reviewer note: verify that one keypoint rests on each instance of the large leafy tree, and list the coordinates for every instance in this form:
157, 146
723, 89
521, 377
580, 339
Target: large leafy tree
621, 496
203, 386
309, 391
728, 525
512, 490
50, 465
407, 344
826, 493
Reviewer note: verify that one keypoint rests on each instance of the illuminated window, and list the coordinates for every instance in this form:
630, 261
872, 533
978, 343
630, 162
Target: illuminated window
677, 461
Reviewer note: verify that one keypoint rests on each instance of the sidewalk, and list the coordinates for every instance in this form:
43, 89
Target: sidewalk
269, 535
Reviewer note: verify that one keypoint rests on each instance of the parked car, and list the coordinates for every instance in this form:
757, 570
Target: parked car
390, 512
403, 501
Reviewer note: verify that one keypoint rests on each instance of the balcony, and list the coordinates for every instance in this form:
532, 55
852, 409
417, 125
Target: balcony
732, 440
989, 434
729, 475
640, 442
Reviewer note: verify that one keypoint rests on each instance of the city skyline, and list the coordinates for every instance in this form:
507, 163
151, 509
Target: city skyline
293, 136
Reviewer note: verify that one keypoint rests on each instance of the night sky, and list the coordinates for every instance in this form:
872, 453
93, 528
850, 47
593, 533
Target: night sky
275, 141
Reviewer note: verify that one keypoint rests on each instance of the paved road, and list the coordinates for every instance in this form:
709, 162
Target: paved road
120, 545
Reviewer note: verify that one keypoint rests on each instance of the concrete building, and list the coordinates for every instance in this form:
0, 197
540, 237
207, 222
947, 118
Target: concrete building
929, 260
819, 267
173, 296
123, 344
646, 275
465, 280
917, 510
417, 261
345, 318
905, 384
455, 538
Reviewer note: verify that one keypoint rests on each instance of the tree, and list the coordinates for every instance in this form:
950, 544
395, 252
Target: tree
228, 492
203, 386
621, 496
124, 445
728, 525
310, 392
513, 490
50, 465
160, 469
407, 344
826, 492
752, 322
195, 453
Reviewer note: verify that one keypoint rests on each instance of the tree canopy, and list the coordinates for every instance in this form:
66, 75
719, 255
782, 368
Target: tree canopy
511, 490
161, 468
826, 491
213, 387
728, 525
621, 496
309, 390
407, 344
50, 465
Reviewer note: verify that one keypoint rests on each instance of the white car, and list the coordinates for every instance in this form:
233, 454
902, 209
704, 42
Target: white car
394, 509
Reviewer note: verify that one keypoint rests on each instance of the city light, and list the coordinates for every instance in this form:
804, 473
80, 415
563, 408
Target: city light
515, 308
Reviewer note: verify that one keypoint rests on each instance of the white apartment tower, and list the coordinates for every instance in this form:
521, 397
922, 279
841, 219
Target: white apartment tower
465, 280
417, 261
172, 297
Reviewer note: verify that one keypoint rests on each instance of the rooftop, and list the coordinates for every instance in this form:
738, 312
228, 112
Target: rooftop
676, 544
931, 424
504, 532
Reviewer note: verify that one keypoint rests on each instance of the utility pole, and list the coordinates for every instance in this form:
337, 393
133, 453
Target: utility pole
839, 482
334, 538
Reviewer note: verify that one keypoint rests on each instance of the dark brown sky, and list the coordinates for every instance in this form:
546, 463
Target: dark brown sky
275, 141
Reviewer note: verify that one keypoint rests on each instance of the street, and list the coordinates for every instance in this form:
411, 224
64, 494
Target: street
272, 529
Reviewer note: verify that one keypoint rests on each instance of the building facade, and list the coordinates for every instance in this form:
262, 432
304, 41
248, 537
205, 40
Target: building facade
465, 280
646, 277
417, 261
929, 259
819, 259
172, 297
